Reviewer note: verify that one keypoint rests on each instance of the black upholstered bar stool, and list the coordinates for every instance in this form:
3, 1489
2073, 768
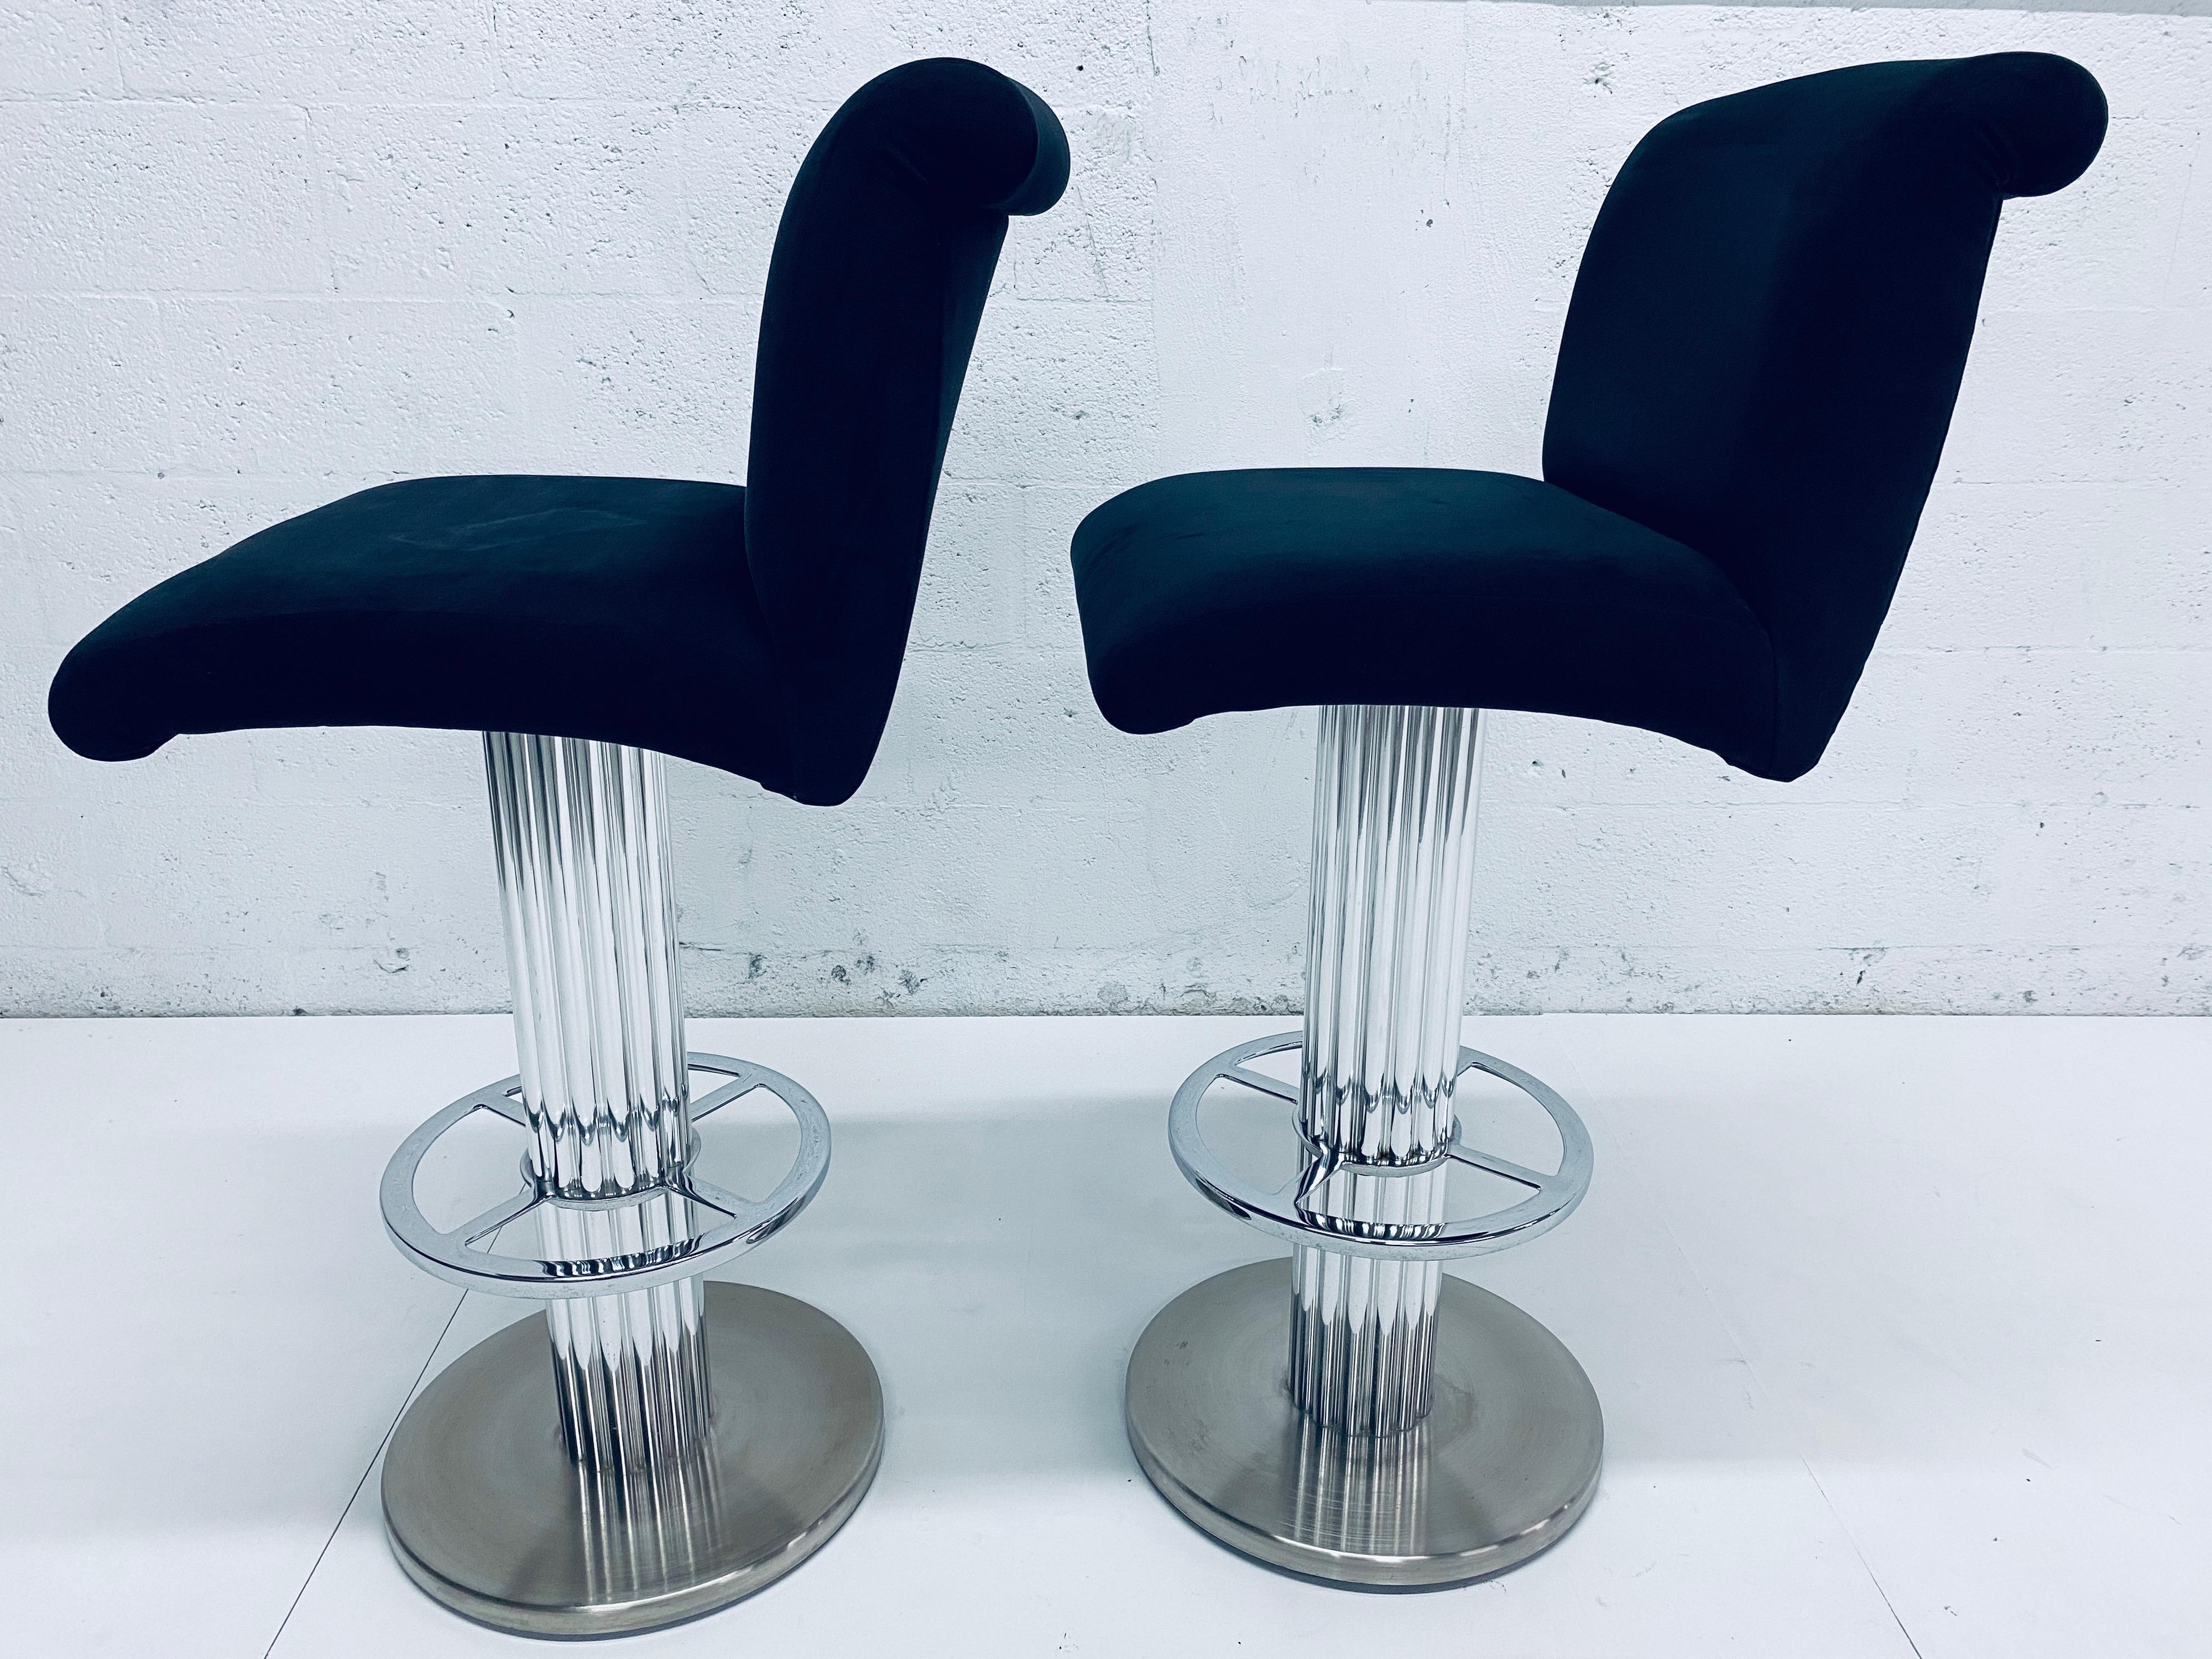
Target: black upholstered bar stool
688, 1443
1758, 371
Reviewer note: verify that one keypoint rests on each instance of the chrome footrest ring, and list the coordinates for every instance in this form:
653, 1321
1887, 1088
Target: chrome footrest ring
452, 1254
1551, 1197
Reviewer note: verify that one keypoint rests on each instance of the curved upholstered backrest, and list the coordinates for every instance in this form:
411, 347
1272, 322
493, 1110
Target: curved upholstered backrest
1769, 324
881, 266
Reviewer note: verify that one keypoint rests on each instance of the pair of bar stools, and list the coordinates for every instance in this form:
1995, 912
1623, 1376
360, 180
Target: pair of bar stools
1758, 366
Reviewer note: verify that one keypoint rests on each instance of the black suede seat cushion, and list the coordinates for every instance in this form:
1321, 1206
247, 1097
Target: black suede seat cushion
760, 630
1756, 375
1221, 590
611, 608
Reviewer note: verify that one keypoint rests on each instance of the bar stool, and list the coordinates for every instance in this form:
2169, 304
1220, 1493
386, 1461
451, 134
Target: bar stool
689, 1442
1757, 373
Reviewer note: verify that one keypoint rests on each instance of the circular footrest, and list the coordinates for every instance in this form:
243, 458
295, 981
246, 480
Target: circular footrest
452, 1254
1282, 1211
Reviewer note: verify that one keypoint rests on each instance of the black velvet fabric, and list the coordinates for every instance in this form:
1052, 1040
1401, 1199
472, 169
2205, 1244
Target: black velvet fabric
1758, 371
583, 607
759, 629
1404, 585
881, 266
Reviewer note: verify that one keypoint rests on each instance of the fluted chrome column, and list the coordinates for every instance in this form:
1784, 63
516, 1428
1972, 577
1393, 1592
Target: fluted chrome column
1430, 1433
1386, 969
581, 831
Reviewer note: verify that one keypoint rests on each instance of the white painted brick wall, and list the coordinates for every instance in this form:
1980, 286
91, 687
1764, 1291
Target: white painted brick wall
259, 254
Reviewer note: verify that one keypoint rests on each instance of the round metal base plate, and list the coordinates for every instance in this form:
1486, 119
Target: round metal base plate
1504, 1464
487, 1513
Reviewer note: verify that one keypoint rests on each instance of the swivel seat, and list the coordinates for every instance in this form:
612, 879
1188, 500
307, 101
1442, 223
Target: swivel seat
1758, 370
688, 1443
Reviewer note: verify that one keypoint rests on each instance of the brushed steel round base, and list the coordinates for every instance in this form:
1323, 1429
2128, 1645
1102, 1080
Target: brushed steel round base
488, 1514
1505, 1462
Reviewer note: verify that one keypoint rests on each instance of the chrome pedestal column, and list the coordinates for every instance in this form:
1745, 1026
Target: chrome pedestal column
1360, 1418
688, 1443
580, 832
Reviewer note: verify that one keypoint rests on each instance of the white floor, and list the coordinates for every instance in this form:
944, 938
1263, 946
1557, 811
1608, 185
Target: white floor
1903, 1327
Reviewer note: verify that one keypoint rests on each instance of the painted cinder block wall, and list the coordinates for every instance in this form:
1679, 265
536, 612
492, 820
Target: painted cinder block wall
258, 256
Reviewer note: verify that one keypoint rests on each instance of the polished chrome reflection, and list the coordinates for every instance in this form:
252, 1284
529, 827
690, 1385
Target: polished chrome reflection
488, 1514
1497, 1472
1359, 1494
1285, 1210
696, 1459
645, 1528
580, 833
1386, 969
1363, 1331
1385, 1425
464, 1254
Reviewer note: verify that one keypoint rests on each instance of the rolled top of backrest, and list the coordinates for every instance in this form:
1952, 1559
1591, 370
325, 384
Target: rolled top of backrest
976, 140
877, 286
2041, 119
